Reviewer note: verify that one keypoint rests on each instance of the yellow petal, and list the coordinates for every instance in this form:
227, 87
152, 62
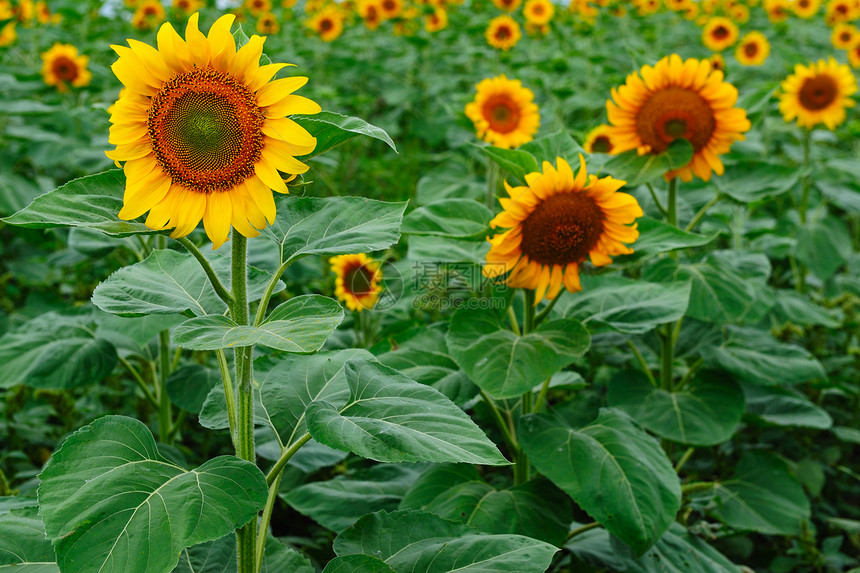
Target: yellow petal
218, 217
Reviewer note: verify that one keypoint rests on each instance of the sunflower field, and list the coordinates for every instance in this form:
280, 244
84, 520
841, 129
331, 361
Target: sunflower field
402, 286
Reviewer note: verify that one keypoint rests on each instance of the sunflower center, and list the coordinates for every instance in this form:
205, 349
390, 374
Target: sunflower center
672, 113
818, 92
502, 114
205, 129
562, 229
65, 69
389, 5
503, 33
359, 281
326, 25
845, 37
751, 49
720, 33
537, 10
601, 144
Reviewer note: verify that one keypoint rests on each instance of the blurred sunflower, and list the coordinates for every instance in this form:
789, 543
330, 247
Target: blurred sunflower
8, 34
719, 33
647, 7
186, 7
63, 67
148, 15
854, 56
739, 13
257, 7
555, 223
436, 20
503, 33
844, 36
817, 94
537, 29
507, 5
718, 63
267, 24
805, 8
391, 8
538, 12
504, 112
370, 13
204, 133
599, 140
327, 23
777, 10
677, 5
753, 49
838, 11
678, 99
357, 281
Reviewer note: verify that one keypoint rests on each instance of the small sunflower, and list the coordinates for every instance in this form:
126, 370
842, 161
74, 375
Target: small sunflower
504, 112
777, 10
719, 33
538, 12
647, 7
555, 223
739, 13
599, 140
503, 33
839, 11
257, 7
678, 99
148, 15
203, 131
507, 5
817, 94
357, 281
267, 24
370, 13
854, 56
753, 49
805, 9
187, 7
327, 23
844, 36
436, 20
63, 67
718, 62
677, 5
391, 8
8, 34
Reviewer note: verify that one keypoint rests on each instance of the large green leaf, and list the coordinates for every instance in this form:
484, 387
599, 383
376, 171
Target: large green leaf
676, 552
23, 543
108, 497
55, 351
331, 129
302, 325
756, 357
419, 542
334, 226
169, 282
762, 496
505, 365
783, 407
391, 418
535, 509
612, 469
656, 237
704, 413
628, 306
517, 162
554, 145
219, 556
423, 355
455, 218
637, 169
91, 202
357, 564
750, 181
337, 503
796, 308
823, 235
188, 386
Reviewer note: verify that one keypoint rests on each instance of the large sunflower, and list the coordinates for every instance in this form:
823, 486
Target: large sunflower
503, 112
503, 33
818, 94
203, 133
678, 99
357, 281
555, 223
753, 49
63, 67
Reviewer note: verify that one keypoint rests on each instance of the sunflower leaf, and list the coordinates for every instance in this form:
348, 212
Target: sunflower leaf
639, 169
332, 129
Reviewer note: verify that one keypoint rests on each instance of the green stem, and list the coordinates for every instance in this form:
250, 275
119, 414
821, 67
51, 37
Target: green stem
804, 197
684, 459
276, 470
542, 395
267, 295
547, 309
510, 440
579, 530
139, 380
642, 362
263, 531
164, 410
522, 469
696, 486
229, 395
667, 356
512, 316
703, 211
174, 429
246, 537
656, 200
672, 207
222, 292
492, 184
689, 375
529, 311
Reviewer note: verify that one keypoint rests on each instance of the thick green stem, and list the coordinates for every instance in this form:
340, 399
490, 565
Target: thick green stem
522, 469
285, 457
529, 311
667, 356
805, 183
267, 295
164, 410
541, 399
263, 531
642, 362
684, 459
246, 537
509, 439
229, 396
672, 200
697, 486
492, 184
222, 292
582, 529
512, 316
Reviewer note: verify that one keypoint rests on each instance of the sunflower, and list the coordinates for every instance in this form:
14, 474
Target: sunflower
838, 11
257, 7
357, 280
186, 7
503, 33
537, 29
739, 13
719, 33
391, 8
436, 20
538, 12
599, 140
327, 23
203, 132
267, 24
817, 94
647, 7
507, 5
844, 36
148, 15
805, 8
555, 223
677, 5
753, 49
777, 10
8, 35
63, 67
370, 13
854, 56
673, 99
718, 62
504, 112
